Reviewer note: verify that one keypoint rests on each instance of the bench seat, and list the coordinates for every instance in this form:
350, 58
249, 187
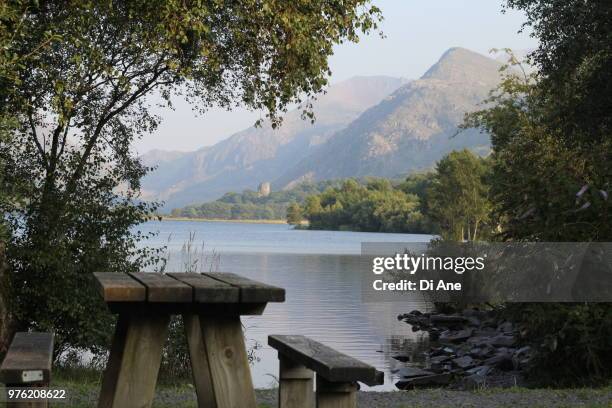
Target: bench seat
28, 360
325, 361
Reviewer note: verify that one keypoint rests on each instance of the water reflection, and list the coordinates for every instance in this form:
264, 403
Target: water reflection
323, 295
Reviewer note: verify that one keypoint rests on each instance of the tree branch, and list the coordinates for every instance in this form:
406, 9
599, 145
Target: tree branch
41, 151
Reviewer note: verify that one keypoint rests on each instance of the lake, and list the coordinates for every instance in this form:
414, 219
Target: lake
318, 269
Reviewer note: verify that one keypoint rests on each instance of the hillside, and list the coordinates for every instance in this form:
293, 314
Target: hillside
410, 129
259, 154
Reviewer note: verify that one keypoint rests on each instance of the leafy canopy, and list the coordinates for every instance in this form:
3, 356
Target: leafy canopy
78, 106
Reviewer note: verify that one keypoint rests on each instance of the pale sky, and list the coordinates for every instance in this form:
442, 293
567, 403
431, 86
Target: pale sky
417, 33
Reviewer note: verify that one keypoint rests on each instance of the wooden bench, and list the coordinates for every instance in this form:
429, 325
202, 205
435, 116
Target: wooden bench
28, 364
336, 374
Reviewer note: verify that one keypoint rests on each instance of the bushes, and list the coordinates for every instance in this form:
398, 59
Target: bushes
376, 206
573, 341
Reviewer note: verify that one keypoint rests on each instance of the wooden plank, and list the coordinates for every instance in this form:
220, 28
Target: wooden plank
325, 361
28, 360
295, 389
130, 378
162, 288
336, 395
203, 309
251, 291
120, 287
200, 366
228, 363
207, 289
113, 365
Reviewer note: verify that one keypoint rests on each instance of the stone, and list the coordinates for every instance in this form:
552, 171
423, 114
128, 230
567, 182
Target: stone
401, 358
464, 362
484, 351
503, 340
434, 334
486, 332
442, 319
521, 358
409, 372
435, 379
506, 327
480, 370
479, 341
457, 336
474, 381
439, 359
502, 361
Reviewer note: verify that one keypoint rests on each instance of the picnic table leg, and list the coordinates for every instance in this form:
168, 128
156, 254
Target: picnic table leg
132, 368
220, 363
295, 389
336, 395
199, 362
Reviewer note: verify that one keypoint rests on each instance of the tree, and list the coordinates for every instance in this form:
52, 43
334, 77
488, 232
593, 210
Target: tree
552, 152
294, 214
459, 196
376, 206
81, 103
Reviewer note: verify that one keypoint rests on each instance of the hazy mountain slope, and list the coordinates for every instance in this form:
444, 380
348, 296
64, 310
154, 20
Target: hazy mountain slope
410, 129
260, 154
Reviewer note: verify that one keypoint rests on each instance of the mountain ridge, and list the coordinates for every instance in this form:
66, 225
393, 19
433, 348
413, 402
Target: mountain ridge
410, 129
366, 126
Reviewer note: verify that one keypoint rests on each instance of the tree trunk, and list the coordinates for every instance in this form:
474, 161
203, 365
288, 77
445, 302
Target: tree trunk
7, 324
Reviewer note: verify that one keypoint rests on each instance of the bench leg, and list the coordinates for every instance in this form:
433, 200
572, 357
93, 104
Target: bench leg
221, 353
131, 373
296, 385
336, 395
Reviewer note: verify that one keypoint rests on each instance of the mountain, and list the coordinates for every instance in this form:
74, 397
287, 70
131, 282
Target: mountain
410, 129
259, 154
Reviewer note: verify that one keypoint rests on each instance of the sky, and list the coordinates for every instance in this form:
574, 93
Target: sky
417, 32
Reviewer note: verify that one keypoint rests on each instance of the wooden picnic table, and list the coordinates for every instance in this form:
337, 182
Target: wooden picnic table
211, 305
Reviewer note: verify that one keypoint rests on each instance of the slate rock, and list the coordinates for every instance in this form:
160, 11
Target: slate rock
506, 327
502, 361
443, 319
457, 336
430, 380
439, 359
503, 340
401, 358
464, 362
474, 381
409, 372
480, 370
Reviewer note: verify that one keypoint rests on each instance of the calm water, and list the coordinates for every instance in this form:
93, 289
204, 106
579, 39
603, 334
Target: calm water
319, 271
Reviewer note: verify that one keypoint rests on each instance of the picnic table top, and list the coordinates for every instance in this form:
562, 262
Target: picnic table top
184, 288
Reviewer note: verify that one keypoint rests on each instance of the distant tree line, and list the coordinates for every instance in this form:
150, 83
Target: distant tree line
452, 200
251, 205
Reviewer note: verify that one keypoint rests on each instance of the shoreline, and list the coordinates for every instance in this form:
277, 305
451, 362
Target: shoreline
246, 221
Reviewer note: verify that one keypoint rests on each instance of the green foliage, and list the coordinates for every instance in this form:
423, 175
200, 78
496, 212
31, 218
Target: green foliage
573, 341
250, 205
78, 107
552, 153
376, 206
458, 197
295, 214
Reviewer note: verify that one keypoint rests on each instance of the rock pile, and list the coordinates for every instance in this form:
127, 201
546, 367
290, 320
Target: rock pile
470, 349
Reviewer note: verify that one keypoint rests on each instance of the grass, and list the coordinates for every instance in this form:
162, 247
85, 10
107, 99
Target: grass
83, 386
